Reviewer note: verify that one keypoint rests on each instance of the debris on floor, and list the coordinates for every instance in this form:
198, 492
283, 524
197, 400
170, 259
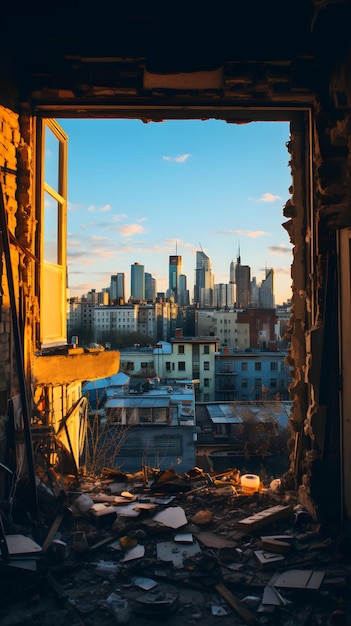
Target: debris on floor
196, 548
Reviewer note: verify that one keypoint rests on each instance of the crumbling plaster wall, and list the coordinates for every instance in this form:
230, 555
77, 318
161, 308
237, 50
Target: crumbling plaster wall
315, 216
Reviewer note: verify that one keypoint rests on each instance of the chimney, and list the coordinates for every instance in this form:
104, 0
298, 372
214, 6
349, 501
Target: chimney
179, 332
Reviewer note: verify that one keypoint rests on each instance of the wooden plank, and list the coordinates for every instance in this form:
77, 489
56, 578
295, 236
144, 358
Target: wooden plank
236, 604
53, 530
265, 517
275, 545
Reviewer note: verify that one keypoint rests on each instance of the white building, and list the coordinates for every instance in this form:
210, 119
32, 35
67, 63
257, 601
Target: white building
223, 325
115, 318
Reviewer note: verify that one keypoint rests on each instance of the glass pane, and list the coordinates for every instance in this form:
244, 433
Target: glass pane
51, 159
51, 214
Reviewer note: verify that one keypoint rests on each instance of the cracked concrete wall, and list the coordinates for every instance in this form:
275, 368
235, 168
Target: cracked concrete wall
315, 216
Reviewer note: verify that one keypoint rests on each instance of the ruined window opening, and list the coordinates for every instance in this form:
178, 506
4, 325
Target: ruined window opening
311, 259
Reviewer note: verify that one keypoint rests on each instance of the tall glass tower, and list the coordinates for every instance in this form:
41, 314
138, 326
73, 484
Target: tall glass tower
175, 270
117, 288
242, 280
137, 282
204, 280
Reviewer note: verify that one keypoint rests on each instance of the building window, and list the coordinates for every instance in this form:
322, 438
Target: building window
180, 349
274, 366
206, 382
206, 397
143, 365
206, 365
51, 247
206, 349
244, 382
145, 415
274, 383
258, 366
168, 366
258, 383
244, 366
181, 366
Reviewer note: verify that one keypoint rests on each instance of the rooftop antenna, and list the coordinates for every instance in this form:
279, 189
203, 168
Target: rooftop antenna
200, 246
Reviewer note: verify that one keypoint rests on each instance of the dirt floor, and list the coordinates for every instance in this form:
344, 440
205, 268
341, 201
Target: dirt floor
194, 549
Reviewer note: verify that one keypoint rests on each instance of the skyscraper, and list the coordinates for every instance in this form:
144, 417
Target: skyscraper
150, 288
242, 280
204, 280
183, 296
117, 288
232, 273
137, 282
175, 270
267, 300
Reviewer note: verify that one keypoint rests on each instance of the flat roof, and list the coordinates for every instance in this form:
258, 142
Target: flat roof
137, 402
237, 412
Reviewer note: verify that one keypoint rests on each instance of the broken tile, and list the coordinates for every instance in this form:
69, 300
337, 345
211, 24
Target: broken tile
171, 551
134, 553
266, 559
184, 537
298, 579
174, 517
144, 583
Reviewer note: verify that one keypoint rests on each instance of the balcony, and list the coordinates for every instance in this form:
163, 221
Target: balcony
74, 364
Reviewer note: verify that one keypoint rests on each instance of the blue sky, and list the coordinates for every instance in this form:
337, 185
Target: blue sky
141, 192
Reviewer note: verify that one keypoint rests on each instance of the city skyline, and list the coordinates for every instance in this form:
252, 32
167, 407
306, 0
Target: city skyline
144, 192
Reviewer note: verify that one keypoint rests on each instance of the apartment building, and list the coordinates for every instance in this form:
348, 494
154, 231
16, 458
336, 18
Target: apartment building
115, 319
252, 375
223, 325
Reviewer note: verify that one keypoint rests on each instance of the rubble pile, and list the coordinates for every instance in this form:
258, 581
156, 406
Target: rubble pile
157, 547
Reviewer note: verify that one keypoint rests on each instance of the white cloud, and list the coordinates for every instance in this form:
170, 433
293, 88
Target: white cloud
252, 234
266, 197
180, 158
127, 230
255, 233
280, 250
94, 238
119, 217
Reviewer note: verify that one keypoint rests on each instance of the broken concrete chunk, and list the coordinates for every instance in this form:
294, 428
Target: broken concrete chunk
202, 517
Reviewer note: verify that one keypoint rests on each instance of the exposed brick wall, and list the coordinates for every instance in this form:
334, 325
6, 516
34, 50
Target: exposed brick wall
15, 162
9, 138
